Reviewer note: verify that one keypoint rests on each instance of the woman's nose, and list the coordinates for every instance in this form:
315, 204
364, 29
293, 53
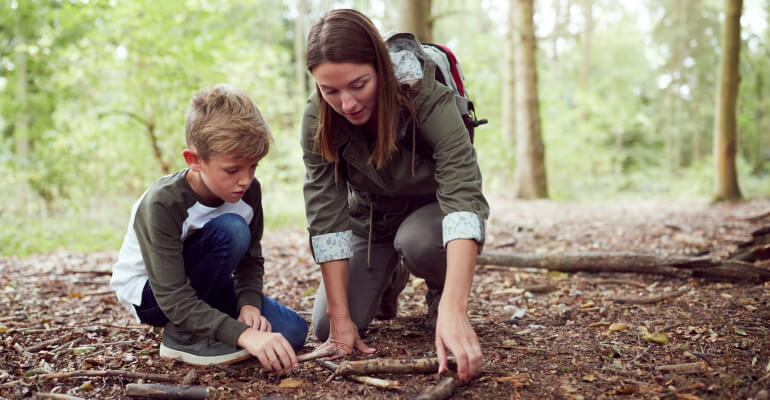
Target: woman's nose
348, 102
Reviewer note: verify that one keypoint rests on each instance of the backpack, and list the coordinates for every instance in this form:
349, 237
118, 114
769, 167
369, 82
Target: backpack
450, 74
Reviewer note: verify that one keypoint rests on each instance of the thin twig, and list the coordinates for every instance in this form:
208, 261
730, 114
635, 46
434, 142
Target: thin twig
58, 396
686, 368
389, 366
650, 300
45, 343
120, 373
327, 352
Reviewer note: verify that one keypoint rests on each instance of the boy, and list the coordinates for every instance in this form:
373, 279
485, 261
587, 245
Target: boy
191, 260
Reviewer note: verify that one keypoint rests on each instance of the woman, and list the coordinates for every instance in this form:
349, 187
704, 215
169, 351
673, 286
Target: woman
392, 184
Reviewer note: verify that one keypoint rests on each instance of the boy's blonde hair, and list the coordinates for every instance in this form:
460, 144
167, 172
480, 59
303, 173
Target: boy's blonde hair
222, 119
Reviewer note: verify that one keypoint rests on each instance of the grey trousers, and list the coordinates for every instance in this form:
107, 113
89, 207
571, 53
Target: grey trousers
418, 244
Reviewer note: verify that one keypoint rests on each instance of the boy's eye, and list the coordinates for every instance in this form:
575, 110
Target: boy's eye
231, 171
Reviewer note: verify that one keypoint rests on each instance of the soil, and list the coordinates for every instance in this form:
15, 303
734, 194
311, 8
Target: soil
544, 335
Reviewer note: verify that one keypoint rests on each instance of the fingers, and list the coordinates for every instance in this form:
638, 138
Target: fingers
288, 357
262, 324
441, 354
362, 347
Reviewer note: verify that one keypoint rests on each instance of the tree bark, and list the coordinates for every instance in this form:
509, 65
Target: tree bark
509, 82
678, 267
170, 391
588, 15
415, 17
21, 125
725, 124
300, 74
530, 151
441, 391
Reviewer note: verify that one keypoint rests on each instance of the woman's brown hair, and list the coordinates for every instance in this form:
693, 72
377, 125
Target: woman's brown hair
347, 36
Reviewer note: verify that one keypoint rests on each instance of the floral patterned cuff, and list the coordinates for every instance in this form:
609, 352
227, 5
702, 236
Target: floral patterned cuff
461, 225
332, 246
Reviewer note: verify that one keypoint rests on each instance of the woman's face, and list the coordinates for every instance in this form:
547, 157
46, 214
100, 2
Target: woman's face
350, 88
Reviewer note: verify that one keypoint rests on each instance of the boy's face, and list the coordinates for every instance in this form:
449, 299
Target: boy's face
222, 176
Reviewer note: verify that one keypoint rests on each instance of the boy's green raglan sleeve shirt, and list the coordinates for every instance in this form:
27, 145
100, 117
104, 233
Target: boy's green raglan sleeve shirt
158, 231
249, 273
326, 199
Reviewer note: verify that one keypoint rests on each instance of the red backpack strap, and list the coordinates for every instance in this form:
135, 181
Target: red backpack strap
455, 71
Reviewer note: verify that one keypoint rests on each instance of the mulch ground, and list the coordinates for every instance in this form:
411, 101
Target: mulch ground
544, 335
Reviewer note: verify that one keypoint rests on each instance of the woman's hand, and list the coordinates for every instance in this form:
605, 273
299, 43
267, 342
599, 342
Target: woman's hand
343, 335
454, 333
270, 348
252, 317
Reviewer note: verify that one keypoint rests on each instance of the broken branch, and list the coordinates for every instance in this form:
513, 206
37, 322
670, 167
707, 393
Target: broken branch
367, 380
642, 263
388, 366
170, 391
686, 368
58, 396
440, 391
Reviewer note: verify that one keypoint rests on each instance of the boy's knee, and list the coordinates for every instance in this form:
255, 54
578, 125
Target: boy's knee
297, 334
234, 229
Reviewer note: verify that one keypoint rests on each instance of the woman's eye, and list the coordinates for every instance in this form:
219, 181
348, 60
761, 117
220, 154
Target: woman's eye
359, 85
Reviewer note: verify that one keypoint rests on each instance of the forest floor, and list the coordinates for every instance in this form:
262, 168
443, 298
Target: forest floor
544, 335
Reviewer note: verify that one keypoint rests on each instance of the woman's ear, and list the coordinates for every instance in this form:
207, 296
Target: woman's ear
192, 159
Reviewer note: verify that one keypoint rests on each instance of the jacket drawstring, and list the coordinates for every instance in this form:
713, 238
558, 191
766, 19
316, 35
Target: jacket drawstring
336, 179
369, 243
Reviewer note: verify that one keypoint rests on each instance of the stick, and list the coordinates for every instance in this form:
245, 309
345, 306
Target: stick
169, 391
120, 373
640, 263
59, 396
44, 344
328, 352
21, 350
687, 368
388, 366
440, 391
367, 380
650, 300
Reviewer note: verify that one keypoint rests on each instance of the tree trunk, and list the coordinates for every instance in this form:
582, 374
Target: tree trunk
300, 75
589, 21
415, 15
509, 82
725, 125
21, 124
530, 151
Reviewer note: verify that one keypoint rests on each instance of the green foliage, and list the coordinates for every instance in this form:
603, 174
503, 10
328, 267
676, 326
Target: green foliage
106, 79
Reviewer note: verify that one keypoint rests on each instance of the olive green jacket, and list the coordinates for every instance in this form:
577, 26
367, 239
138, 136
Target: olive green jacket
357, 194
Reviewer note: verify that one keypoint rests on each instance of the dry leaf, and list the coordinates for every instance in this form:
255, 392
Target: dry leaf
657, 338
290, 383
86, 386
618, 326
589, 378
588, 304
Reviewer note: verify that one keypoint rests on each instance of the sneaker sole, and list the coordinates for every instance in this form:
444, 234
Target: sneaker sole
168, 353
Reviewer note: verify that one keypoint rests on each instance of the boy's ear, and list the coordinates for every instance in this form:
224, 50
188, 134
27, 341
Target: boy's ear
192, 159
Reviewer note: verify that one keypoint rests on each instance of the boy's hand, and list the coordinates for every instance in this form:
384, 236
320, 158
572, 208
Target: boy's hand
271, 349
252, 317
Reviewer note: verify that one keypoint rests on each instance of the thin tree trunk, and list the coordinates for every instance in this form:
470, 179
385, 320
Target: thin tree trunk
300, 75
589, 21
530, 151
725, 125
414, 18
21, 125
509, 82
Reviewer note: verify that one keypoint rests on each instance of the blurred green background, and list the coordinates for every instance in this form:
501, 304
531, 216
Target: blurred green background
93, 94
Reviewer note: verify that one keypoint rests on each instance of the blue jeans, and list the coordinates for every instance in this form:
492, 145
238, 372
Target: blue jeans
210, 256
